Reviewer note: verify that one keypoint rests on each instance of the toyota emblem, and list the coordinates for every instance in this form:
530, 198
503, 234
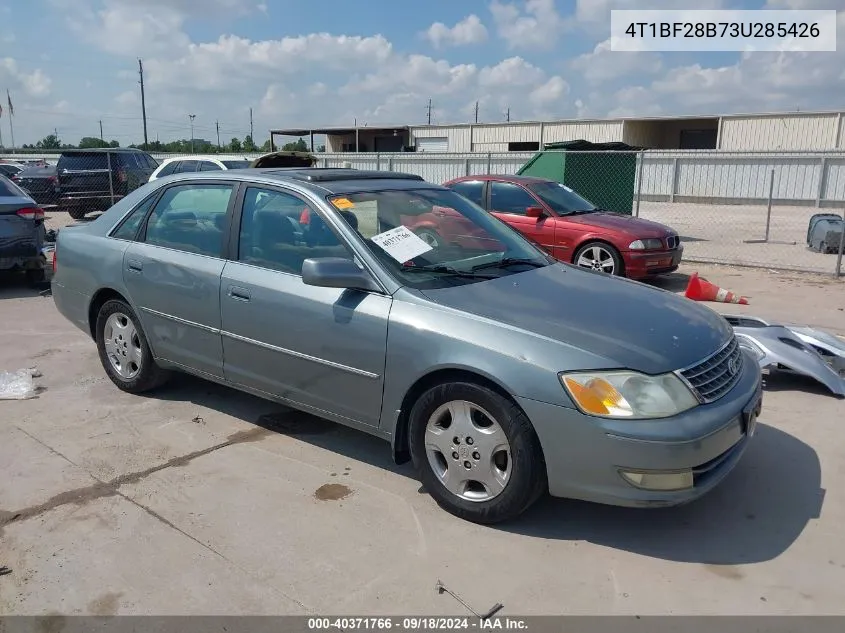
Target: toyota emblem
732, 366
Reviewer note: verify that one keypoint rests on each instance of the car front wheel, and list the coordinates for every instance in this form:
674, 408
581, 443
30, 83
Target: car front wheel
124, 351
601, 257
476, 452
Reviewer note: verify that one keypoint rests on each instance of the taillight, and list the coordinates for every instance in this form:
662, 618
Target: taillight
53, 179
121, 176
32, 213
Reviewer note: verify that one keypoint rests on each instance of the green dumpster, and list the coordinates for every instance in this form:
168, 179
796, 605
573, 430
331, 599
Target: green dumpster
603, 173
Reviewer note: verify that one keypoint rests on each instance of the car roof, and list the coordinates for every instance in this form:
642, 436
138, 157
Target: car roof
221, 157
506, 178
321, 180
103, 150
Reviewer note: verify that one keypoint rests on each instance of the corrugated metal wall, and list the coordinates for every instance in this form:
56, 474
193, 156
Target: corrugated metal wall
792, 132
593, 131
483, 136
459, 136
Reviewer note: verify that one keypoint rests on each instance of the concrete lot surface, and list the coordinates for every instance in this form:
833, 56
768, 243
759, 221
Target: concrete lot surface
717, 233
193, 501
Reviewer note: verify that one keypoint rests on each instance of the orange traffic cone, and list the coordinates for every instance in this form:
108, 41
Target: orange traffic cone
702, 290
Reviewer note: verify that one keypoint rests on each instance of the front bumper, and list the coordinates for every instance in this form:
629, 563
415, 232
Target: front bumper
585, 455
639, 264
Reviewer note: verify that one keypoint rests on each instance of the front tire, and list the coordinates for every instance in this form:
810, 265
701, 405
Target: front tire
124, 350
600, 257
476, 453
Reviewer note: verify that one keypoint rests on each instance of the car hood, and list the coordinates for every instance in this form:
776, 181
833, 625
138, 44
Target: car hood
636, 227
630, 324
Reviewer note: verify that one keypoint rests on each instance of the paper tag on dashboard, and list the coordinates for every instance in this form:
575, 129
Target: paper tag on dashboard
401, 244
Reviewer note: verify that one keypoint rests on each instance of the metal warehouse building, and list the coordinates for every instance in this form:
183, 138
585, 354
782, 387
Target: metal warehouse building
779, 132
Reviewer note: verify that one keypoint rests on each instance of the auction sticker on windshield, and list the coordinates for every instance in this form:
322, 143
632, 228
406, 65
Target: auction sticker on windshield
401, 244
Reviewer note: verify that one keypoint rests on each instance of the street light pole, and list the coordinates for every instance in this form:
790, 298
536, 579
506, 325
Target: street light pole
192, 117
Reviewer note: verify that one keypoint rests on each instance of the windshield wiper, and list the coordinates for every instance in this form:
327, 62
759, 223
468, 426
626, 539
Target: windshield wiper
511, 261
442, 269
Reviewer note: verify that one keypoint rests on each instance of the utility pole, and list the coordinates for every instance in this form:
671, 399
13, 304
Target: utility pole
192, 117
476, 111
143, 101
508, 115
251, 137
217, 124
101, 131
429, 111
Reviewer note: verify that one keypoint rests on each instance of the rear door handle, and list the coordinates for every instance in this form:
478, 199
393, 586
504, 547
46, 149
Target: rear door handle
238, 293
134, 265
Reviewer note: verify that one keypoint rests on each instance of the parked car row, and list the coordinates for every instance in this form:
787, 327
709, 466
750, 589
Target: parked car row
406, 310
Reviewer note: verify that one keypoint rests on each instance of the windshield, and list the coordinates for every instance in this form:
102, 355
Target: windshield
431, 238
235, 164
561, 198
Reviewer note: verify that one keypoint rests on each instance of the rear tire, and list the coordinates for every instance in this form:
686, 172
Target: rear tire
76, 214
124, 350
499, 471
36, 276
600, 257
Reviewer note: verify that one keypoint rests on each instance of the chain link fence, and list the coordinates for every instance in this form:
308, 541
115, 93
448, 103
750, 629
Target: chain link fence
775, 210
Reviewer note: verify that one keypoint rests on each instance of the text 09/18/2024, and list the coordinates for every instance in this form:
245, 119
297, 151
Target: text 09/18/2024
726, 30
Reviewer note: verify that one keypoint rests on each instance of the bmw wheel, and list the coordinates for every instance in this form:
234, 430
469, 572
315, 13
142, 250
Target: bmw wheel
600, 257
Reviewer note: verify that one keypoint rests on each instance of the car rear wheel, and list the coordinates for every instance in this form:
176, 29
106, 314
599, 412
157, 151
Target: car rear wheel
76, 214
600, 257
124, 351
476, 453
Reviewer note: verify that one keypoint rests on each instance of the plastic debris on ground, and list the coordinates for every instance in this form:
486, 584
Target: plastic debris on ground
18, 385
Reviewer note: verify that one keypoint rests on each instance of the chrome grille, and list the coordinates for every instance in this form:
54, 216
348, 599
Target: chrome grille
713, 377
672, 241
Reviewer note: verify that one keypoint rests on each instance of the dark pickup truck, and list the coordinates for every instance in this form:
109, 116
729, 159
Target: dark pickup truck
94, 179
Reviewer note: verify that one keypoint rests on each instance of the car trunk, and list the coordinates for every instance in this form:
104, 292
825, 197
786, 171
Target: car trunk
88, 174
37, 181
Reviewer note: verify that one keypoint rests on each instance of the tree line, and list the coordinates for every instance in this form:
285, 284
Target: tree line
51, 142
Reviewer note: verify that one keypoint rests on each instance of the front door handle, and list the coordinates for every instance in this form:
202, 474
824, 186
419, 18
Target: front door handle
134, 266
238, 293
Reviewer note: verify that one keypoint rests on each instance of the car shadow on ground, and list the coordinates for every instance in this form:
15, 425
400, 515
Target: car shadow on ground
673, 282
13, 285
753, 516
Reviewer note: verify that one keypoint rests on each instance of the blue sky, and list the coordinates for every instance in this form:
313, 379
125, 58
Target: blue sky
72, 63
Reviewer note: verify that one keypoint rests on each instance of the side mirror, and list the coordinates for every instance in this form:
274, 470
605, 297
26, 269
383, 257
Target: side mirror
535, 212
336, 272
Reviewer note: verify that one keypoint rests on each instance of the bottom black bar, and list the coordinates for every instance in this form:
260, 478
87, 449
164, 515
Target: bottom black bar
422, 624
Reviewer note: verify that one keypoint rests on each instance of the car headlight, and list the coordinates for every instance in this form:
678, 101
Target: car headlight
746, 343
645, 245
628, 394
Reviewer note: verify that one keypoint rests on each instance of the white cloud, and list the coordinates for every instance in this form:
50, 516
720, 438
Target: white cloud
35, 83
602, 64
538, 26
468, 31
598, 11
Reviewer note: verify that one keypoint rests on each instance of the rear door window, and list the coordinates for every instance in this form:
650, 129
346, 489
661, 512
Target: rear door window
471, 190
8, 189
188, 166
129, 227
170, 168
207, 165
83, 162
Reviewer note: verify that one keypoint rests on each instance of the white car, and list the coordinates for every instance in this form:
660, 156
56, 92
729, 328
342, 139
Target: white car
194, 163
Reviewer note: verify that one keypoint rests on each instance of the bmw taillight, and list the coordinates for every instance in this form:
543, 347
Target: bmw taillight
31, 213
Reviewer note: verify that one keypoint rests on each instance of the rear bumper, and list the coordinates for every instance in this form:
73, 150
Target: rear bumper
639, 264
23, 250
72, 305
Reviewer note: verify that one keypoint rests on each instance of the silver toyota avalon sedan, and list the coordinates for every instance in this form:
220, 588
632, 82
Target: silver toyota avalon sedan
397, 307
